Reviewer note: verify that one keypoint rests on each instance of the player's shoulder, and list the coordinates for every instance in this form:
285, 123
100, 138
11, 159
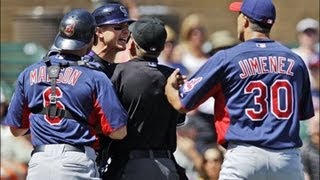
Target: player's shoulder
93, 65
93, 69
34, 65
224, 54
292, 53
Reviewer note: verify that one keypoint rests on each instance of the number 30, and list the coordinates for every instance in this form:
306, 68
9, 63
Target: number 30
261, 100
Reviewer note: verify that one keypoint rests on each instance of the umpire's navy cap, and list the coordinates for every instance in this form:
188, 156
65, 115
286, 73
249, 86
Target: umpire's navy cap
149, 33
76, 30
262, 11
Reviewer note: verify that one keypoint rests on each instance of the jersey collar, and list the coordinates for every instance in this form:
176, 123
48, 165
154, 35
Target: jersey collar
260, 40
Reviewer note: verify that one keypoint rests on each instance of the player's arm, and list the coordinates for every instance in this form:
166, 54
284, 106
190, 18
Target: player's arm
119, 133
19, 131
174, 81
16, 117
111, 114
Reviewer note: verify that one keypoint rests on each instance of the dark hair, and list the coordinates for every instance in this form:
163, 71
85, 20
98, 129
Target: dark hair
259, 26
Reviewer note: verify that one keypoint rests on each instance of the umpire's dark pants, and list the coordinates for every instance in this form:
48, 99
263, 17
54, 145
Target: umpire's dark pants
147, 165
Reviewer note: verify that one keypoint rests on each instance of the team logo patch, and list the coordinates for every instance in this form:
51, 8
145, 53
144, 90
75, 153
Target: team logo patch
69, 30
153, 49
188, 86
261, 45
124, 11
269, 21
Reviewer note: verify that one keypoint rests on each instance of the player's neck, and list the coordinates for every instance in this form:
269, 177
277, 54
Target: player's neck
104, 54
256, 35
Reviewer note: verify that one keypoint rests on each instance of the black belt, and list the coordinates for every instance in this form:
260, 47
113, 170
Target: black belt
136, 154
67, 147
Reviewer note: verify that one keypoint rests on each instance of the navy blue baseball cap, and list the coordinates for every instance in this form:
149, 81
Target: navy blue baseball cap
149, 33
262, 11
76, 30
111, 13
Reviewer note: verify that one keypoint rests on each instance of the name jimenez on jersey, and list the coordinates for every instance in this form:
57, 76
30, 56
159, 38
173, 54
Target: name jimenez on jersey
258, 65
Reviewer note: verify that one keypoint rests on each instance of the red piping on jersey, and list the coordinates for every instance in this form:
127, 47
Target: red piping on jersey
93, 130
222, 118
102, 119
25, 123
221, 115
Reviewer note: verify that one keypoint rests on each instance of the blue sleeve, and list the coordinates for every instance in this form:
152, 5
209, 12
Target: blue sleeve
202, 84
18, 111
111, 113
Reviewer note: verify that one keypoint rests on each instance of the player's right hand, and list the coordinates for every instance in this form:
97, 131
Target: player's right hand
176, 79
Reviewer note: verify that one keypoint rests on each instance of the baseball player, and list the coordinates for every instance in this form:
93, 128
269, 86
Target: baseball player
262, 90
111, 35
62, 101
147, 151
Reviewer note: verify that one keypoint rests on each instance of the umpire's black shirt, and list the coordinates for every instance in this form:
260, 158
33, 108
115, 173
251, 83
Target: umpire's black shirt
152, 120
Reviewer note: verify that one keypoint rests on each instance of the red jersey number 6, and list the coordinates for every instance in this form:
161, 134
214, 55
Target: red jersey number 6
46, 102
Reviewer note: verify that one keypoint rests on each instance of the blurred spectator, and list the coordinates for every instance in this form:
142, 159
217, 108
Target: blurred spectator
15, 152
189, 52
3, 105
308, 37
186, 154
221, 40
133, 8
310, 152
165, 57
193, 35
314, 67
212, 162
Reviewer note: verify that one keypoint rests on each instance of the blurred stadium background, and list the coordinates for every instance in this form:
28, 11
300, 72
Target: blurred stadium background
28, 27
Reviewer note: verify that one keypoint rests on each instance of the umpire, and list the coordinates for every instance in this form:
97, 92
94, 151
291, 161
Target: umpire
151, 138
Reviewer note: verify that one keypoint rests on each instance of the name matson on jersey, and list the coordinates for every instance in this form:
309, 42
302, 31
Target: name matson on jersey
66, 76
266, 64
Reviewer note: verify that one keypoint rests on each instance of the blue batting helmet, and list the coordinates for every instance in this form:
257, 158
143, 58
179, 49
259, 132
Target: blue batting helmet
112, 13
76, 30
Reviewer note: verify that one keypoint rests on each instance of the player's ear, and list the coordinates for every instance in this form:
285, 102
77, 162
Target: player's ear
99, 32
132, 48
245, 21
